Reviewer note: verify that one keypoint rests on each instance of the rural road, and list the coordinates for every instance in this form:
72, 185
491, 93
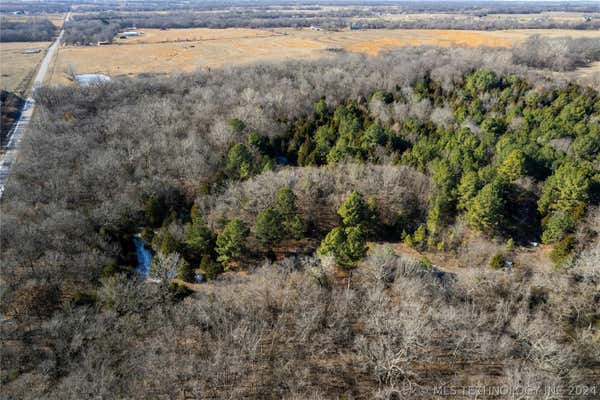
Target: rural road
9, 155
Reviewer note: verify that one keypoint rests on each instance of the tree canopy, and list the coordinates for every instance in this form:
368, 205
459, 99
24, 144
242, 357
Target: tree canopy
231, 243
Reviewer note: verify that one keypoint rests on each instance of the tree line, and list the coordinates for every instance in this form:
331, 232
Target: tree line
33, 30
478, 23
83, 28
35, 7
90, 32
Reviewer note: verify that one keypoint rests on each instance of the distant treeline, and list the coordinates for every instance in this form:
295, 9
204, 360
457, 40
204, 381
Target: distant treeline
35, 7
462, 7
34, 30
88, 28
475, 22
104, 26
468, 7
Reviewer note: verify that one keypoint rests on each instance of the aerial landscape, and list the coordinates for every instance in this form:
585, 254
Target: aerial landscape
309, 199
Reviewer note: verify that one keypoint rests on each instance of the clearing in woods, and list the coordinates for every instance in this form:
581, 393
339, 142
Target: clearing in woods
185, 50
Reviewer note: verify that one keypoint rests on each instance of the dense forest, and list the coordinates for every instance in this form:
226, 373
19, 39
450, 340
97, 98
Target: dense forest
299, 174
34, 30
90, 31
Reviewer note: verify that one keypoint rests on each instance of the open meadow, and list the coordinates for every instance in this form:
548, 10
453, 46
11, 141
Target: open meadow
185, 50
56, 18
19, 62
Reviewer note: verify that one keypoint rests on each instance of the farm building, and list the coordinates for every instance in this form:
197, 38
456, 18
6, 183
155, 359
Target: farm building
128, 34
85, 80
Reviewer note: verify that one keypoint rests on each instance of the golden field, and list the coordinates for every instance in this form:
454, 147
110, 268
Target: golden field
185, 50
590, 71
193, 35
16, 68
56, 18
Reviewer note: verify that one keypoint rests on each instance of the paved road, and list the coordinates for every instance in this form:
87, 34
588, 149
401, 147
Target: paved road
10, 152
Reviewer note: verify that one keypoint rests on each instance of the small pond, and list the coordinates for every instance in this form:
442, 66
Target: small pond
144, 257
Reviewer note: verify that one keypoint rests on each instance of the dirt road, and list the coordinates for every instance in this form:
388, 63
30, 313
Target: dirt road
10, 152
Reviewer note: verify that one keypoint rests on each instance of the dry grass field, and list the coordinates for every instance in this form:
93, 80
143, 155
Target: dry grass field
184, 50
56, 18
16, 68
548, 15
372, 42
235, 46
589, 74
193, 35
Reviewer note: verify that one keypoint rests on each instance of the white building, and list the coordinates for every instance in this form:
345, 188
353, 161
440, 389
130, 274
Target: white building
85, 80
128, 34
